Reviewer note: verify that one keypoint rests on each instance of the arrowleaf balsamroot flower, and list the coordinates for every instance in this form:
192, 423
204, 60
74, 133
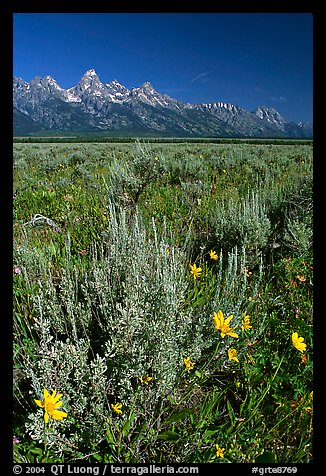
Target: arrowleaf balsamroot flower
145, 379
223, 325
246, 322
116, 407
50, 405
213, 255
232, 353
298, 342
219, 451
195, 271
189, 365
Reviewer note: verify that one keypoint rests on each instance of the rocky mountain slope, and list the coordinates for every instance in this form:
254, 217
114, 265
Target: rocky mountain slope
94, 107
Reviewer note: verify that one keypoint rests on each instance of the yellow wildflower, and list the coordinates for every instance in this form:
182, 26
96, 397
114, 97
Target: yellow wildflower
246, 322
232, 353
116, 407
145, 379
189, 365
50, 404
219, 451
223, 325
298, 342
195, 271
213, 255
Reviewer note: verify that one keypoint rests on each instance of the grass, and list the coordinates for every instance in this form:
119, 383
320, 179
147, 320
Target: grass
107, 311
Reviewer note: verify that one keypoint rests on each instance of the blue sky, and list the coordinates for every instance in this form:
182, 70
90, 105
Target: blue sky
247, 59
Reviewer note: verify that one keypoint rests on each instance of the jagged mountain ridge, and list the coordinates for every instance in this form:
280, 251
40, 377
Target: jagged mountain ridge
93, 106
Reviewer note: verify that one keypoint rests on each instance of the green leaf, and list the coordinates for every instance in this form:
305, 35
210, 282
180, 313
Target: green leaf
266, 457
231, 412
209, 433
97, 457
169, 436
36, 451
128, 424
178, 416
110, 438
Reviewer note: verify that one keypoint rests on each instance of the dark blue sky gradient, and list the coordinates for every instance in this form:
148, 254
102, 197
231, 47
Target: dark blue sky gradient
243, 58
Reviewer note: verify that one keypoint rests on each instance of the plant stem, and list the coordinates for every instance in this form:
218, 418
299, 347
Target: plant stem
45, 444
254, 411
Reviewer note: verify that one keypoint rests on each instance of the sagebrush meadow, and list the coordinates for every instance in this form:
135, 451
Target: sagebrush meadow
163, 302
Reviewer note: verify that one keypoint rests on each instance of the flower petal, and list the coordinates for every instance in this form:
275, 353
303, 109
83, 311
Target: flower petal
39, 403
58, 415
227, 322
220, 315
233, 334
57, 397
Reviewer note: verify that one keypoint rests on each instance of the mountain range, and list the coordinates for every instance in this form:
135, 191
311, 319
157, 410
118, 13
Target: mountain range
42, 106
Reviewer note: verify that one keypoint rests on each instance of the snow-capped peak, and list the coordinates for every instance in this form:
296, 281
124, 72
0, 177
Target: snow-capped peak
90, 72
115, 82
90, 77
270, 114
91, 82
19, 82
51, 81
147, 85
115, 85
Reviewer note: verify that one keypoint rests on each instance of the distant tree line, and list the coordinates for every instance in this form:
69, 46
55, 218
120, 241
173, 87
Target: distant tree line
205, 140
